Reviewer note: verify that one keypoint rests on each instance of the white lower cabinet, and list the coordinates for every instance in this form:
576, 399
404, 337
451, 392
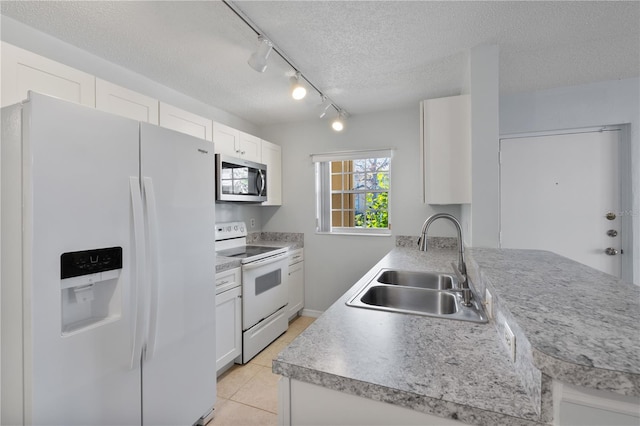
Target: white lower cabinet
301, 403
296, 282
228, 318
577, 406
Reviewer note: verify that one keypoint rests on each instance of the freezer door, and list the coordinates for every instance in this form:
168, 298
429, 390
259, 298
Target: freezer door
179, 367
78, 256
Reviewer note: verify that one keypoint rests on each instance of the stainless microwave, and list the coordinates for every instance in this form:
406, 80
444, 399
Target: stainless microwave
240, 180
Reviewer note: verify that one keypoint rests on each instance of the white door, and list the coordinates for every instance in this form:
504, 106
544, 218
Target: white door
179, 367
78, 334
556, 192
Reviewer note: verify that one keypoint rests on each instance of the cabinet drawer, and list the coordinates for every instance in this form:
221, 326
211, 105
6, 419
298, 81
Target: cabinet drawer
228, 279
296, 256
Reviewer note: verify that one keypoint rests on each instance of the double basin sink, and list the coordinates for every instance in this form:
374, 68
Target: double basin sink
420, 293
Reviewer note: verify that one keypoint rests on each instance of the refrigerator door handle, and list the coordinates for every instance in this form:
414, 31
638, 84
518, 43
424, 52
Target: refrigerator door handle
137, 287
154, 276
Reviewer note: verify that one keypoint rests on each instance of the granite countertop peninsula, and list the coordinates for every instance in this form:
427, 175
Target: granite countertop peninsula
461, 370
292, 240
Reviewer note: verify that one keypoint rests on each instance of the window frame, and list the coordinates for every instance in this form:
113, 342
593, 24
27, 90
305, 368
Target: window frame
324, 191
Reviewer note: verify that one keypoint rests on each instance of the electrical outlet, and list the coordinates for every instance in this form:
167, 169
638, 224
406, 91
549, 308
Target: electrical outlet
510, 341
253, 222
488, 303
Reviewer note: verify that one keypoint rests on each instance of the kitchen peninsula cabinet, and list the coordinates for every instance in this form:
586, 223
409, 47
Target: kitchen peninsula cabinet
410, 369
187, 122
445, 130
228, 317
23, 71
127, 103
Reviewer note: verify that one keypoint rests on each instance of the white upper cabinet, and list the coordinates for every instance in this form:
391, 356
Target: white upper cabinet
250, 148
186, 122
127, 103
272, 157
445, 130
233, 142
23, 71
225, 139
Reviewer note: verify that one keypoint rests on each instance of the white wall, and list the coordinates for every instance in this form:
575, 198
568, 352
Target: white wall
603, 103
484, 210
334, 263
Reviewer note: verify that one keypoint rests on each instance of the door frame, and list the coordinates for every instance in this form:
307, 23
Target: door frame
624, 174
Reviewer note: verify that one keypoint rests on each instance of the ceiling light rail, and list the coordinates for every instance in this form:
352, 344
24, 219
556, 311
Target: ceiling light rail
258, 61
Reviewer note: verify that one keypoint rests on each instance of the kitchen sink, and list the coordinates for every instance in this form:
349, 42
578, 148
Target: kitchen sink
433, 280
417, 293
411, 299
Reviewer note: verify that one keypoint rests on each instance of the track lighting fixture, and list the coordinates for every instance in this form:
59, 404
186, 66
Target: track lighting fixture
298, 91
338, 123
258, 59
324, 106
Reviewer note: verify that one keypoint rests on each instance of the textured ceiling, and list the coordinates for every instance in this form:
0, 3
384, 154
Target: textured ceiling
366, 56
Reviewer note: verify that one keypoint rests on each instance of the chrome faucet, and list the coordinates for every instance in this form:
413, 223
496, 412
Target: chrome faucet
461, 269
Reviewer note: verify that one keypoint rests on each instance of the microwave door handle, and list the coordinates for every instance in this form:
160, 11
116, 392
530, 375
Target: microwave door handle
260, 176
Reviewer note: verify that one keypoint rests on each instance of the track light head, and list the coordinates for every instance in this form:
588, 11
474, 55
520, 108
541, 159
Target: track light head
298, 91
258, 59
338, 123
324, 106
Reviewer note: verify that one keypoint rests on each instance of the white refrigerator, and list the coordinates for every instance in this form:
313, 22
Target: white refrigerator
108, 262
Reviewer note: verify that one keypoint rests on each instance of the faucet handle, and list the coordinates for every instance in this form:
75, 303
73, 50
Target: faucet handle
461, 276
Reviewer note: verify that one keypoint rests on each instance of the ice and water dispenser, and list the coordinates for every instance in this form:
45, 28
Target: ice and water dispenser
90, 288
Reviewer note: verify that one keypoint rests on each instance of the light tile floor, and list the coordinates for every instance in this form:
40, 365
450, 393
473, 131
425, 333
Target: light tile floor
248, 394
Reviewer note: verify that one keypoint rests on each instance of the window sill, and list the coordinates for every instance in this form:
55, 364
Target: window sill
356, 234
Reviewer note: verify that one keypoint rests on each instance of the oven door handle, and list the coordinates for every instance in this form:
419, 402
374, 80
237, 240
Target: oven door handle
264, 262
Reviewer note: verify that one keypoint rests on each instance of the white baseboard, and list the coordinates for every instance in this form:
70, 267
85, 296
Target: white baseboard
311, 313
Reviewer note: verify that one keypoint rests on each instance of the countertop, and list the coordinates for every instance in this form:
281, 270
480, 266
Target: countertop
461, 370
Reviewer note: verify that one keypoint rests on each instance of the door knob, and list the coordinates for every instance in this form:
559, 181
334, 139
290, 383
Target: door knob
612, 233
611, 251
610, 216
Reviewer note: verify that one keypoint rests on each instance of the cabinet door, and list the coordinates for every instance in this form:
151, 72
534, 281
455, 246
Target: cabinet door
228, 326
446, 149
272, 157
226, 139
296, 283
23, 71
186, 122
127, 103
250, 148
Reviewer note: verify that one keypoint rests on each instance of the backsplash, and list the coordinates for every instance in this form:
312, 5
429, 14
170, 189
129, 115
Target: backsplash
433, 242
285, 237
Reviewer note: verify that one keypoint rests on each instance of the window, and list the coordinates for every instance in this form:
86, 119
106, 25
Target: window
352, 192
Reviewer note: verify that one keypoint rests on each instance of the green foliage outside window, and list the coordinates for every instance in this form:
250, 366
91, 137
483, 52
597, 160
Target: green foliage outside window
376, 214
